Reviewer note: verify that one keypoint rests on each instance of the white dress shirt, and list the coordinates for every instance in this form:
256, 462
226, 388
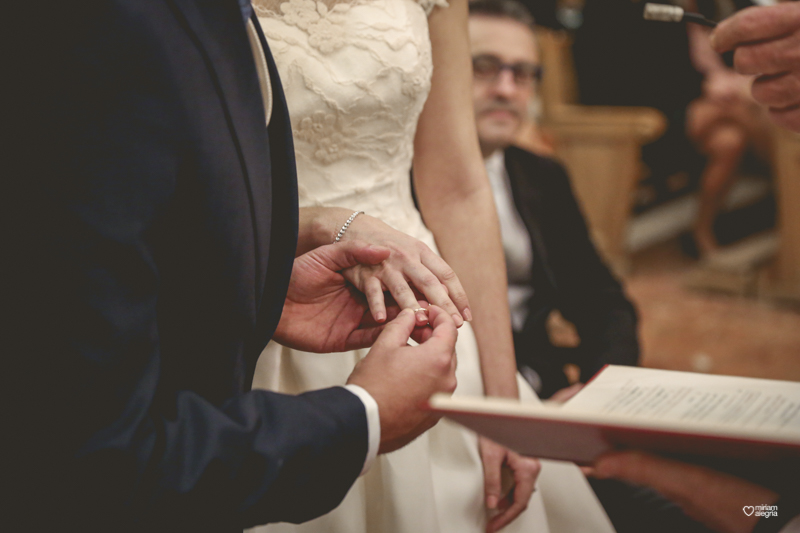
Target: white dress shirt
516, 240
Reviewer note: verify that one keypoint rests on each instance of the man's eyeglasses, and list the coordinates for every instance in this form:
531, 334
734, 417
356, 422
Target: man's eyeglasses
488, 68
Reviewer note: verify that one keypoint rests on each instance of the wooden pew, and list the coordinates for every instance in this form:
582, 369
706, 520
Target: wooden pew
782, 280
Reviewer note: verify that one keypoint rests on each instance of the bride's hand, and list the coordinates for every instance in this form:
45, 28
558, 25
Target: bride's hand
525, 470
412, 266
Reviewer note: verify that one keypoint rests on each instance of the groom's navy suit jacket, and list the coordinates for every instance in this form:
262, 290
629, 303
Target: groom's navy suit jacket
152, 229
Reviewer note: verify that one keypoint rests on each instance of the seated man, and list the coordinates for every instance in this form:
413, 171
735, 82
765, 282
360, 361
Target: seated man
552, 264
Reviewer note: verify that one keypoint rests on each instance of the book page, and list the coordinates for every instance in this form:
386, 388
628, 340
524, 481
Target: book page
697, 399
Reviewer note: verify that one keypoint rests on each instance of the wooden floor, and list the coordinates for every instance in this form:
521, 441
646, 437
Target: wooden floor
683, 329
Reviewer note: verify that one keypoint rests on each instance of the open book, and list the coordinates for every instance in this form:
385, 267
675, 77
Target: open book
656, 410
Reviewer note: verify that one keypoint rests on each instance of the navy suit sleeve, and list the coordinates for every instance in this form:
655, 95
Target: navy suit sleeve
588, 293
121, 417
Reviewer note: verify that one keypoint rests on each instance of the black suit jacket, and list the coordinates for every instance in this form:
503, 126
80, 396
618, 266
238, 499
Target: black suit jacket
152, 229
569, 276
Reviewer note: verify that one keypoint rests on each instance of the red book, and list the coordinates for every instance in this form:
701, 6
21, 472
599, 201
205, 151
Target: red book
660, 411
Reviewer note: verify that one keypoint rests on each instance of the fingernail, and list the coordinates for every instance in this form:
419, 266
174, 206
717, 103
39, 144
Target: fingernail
468, 314
421, 316
458, 320
380, 317
491, 502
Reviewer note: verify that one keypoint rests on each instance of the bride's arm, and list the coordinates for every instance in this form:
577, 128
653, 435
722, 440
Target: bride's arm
455, 199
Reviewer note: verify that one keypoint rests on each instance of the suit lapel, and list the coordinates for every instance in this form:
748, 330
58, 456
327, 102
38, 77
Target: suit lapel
283, 242
221, 36
528, 201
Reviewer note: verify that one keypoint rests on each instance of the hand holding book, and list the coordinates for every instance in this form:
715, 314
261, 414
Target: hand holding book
747, 426
655, 410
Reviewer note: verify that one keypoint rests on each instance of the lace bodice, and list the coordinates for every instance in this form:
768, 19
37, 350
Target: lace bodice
356, 75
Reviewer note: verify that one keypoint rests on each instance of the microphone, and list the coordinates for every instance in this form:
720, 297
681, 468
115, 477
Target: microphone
667, 13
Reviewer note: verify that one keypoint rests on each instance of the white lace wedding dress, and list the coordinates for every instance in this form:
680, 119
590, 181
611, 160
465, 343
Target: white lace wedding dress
356, 75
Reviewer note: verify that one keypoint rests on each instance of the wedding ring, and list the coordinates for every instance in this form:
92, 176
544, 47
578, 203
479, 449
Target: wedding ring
424, 310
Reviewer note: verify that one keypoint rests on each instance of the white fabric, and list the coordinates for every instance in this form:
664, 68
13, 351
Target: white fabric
356, 75
516, 241
373, 424
793, 526
261, 69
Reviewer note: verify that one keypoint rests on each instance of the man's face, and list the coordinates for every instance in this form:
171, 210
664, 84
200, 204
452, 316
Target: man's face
500, 93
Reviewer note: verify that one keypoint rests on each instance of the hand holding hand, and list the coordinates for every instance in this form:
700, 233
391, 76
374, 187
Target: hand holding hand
401, 378
322, 312
766, 41
525, 470
411, 262
710, 497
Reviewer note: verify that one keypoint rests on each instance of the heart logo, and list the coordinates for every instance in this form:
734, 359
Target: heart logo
748, 509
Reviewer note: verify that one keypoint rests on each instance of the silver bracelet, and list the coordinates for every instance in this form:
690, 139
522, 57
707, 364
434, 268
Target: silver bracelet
346, 224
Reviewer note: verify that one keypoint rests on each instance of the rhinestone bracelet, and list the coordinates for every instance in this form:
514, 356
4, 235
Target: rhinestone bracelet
346, 224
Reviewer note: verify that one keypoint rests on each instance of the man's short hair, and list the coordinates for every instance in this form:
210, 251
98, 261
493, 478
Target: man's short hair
503, 8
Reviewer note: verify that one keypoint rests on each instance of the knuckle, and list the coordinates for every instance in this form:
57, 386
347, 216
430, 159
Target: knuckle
746, 24
428, 280
423, 249
458, 293
444, 362
401, 288
449, 274
402, 255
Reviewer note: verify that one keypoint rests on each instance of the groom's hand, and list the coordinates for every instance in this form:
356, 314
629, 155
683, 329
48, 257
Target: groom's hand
323, 312
401, 378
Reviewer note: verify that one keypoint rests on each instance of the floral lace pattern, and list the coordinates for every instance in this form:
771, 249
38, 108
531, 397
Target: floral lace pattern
356, 75
324, 26
321, 130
